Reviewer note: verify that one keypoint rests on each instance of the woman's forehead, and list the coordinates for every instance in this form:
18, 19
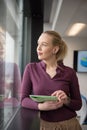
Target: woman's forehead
45, 37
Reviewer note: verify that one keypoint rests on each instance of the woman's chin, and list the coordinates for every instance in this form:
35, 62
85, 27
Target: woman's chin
40, 58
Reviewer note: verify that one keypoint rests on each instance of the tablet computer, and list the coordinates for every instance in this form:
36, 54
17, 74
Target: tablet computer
42, 98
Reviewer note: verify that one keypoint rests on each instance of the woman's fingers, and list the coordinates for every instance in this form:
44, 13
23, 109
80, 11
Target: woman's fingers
60, 94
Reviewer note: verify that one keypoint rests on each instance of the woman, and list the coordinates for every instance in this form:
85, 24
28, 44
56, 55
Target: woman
51, 77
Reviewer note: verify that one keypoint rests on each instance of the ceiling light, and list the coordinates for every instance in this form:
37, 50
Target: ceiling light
75, 29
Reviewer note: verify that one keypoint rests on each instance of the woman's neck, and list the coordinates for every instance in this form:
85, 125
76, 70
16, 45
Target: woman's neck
51, 64
51, 67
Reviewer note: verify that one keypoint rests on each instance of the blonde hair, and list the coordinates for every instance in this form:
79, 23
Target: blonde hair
57, 41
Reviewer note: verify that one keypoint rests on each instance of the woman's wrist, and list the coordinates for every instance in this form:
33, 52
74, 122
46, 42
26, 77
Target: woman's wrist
67, 102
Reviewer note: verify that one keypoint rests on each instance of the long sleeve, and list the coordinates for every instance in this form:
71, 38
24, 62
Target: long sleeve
76, 102
27, 90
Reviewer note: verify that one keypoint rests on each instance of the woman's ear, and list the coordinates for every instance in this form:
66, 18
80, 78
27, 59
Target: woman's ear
55, 49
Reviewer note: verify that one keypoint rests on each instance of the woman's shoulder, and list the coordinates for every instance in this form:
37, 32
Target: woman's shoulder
33, 65
65, 67
69, 69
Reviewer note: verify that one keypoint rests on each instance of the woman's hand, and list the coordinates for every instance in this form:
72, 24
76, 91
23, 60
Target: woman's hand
50, 105
63, 99
62, 96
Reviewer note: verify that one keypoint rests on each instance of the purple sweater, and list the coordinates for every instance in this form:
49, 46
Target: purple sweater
37, 81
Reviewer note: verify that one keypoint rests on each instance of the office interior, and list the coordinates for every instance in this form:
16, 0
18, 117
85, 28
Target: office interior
21, 23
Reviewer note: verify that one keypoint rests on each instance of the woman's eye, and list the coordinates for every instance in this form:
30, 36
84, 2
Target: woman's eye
44, 44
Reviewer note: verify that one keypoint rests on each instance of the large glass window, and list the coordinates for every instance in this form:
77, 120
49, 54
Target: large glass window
10, 52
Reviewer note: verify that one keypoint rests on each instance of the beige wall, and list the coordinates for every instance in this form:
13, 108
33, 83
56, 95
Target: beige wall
76, 44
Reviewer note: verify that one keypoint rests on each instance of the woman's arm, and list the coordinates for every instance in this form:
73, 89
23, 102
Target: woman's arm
73, 100
75, 96
27, 90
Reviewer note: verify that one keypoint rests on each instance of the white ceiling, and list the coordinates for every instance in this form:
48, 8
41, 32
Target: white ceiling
63, 13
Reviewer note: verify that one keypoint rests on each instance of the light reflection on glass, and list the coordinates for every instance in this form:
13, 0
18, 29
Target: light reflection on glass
10, 77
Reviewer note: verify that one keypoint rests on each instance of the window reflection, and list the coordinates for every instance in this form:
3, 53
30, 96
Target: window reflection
2, 68
10, 47
10, 78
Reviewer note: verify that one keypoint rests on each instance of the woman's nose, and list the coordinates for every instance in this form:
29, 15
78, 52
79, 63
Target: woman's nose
39, 47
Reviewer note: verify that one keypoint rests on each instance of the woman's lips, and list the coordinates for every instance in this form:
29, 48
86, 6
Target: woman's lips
40, 53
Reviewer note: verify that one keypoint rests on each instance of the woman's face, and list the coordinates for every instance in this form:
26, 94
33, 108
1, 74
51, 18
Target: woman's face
45, 48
